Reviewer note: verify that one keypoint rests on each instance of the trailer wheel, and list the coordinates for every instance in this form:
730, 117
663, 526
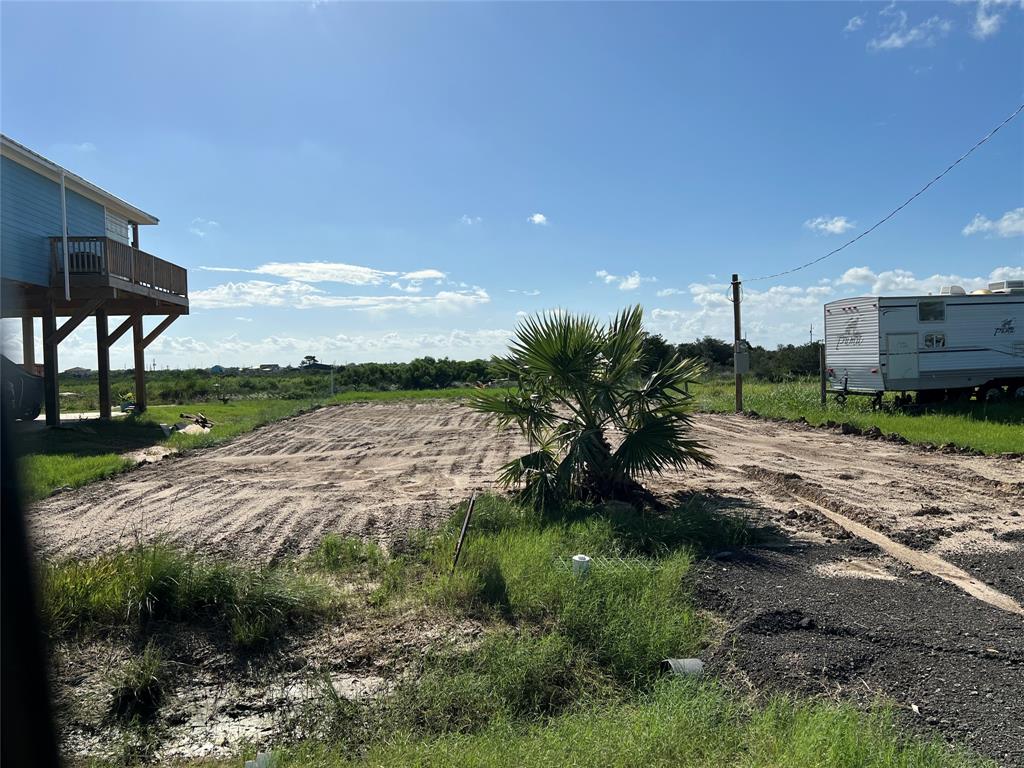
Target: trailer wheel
990, 393
1017, 390
840, 399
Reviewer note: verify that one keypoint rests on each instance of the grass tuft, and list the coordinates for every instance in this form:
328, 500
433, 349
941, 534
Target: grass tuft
347, 554
153, 582
138, 687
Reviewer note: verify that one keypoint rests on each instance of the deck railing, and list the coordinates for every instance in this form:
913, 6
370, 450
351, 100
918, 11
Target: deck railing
104, 256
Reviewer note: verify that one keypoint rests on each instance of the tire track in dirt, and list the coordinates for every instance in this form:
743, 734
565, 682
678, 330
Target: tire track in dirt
402, 465
947, 502
374, 469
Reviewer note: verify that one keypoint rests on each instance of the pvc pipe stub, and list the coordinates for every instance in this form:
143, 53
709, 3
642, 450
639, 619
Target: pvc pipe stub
580, 565
685, 667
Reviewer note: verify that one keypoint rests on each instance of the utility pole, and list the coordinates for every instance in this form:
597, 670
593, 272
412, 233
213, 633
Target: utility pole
737, 342
812, 333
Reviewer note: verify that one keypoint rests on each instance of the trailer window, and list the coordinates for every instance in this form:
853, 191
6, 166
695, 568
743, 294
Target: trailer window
935, 341
931, 311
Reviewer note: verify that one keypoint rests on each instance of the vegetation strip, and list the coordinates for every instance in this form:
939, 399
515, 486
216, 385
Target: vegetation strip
566, 671
991, 428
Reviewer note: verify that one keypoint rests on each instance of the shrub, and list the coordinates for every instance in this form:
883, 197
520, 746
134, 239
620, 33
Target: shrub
577, 382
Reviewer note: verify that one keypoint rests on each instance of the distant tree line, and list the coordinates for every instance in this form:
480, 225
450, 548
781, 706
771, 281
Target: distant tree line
786, 361
309, 380
312, 379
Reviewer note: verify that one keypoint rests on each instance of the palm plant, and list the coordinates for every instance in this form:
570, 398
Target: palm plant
597, 412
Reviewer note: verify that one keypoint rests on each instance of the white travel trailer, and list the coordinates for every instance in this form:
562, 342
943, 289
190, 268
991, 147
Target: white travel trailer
951, 345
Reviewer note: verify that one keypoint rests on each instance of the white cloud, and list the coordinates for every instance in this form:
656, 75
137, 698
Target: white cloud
425, 274
989, 16
252, 293
299, 295
202, 227
784, 313
538, 218
324, 272
899, 33
533, 292
469, 221
409, 288
628, 282
284, 349
332, 272
1010, 224
824, 225
244, 319
669, 292
854, 24
903, 281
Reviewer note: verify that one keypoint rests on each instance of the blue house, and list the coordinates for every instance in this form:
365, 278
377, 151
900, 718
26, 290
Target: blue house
70, 249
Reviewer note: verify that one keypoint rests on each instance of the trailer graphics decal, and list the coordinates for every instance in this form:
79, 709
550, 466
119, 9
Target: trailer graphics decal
1006, 328
851, 335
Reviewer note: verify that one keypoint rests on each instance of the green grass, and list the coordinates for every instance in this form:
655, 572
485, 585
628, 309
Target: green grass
131, 588
678, 723
565, 672
42, 474
137, 687
989, 428
347, 554
630, 612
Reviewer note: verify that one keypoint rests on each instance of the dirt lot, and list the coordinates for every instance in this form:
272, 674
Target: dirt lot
819, 611
372, 469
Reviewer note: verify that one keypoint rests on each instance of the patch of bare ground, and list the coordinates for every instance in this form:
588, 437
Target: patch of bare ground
821, 611
827, 613
375, 470
216, 701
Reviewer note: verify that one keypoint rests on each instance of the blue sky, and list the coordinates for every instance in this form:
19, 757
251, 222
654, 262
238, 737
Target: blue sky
386, 181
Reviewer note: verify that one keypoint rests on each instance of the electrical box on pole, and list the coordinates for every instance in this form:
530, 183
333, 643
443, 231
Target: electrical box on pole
741, 358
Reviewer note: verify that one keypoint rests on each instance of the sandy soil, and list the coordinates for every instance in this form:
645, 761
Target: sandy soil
376, 470
818, 610
380, 469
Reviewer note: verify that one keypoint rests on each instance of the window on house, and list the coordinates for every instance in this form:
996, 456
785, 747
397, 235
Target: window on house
935, 341
931, 311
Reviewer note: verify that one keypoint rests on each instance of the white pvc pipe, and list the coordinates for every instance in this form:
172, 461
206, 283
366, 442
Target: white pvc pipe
580, 565
64, 233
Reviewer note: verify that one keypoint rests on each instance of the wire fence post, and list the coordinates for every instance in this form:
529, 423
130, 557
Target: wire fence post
462, 534
821, 370
737, 342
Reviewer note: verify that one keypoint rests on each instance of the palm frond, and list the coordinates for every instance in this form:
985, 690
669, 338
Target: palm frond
658, 441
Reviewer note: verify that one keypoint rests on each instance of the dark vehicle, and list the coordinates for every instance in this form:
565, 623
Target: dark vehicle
22, 391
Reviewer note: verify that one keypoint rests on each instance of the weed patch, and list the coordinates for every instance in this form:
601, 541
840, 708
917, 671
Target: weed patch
347, 554
985, 427
138, 687
133, 587
676, 724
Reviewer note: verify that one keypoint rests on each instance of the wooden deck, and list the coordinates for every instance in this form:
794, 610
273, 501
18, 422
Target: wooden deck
98, 262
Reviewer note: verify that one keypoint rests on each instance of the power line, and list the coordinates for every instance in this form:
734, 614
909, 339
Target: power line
899, 208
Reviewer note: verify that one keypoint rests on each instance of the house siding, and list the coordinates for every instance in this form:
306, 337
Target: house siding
30, 215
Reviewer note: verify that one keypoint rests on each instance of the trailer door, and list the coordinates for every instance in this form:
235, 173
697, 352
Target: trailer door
902, 356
